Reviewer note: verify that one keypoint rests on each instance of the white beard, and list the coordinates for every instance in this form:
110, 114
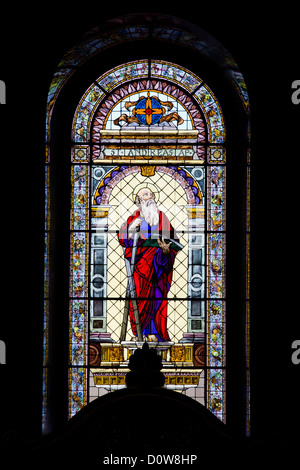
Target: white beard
149, 211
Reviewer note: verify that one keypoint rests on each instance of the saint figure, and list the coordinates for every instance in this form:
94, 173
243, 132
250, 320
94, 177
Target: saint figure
153, 267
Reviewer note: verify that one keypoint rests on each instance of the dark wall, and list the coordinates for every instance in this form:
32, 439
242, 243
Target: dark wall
264, 46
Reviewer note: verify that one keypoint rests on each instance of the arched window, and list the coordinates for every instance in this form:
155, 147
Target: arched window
149, 251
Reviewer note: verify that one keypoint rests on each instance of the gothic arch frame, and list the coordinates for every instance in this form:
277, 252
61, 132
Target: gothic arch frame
237, 144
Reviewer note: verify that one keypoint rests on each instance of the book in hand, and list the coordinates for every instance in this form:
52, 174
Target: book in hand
152, 241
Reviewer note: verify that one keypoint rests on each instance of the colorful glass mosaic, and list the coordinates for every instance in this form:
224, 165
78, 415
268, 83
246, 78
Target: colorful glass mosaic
153, 131
140, 132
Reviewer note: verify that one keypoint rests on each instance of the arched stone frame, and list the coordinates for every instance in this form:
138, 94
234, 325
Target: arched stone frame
102, 198
63, 76
82, 130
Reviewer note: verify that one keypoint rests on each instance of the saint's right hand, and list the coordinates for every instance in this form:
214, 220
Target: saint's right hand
136, 223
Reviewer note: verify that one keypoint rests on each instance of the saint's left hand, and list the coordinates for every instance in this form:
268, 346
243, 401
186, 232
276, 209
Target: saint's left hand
164, 246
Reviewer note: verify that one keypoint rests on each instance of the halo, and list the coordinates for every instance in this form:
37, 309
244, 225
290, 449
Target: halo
147, 185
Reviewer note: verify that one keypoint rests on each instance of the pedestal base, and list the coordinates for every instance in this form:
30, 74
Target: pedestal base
160, 345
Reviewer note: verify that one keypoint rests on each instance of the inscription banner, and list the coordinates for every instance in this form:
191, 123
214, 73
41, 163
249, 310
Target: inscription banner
149, 152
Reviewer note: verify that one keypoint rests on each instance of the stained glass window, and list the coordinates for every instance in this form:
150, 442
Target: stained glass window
145, 131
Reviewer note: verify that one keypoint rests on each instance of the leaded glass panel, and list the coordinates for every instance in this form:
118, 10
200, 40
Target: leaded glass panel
152, 128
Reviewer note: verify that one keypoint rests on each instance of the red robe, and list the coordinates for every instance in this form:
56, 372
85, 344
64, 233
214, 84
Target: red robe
152, 276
